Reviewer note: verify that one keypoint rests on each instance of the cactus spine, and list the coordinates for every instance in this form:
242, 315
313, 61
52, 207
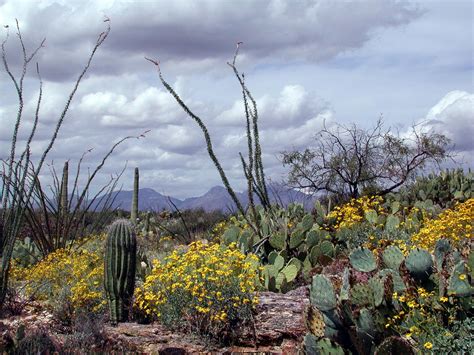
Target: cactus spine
134, 212
120, 265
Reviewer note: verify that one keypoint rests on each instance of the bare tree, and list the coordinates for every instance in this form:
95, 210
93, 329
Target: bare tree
348, 160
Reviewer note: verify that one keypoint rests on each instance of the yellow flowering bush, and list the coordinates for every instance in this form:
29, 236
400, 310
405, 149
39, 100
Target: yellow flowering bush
76, 273
430, 321
208, 287
353, 212
453, 224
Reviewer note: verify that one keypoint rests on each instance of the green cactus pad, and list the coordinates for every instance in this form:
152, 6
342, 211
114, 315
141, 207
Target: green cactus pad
470, 263
313, 237
362, 259
322, 293
394, 207
327, 248
458, 283
365, 322
392, 257
310, 344
296, 262
371, 216
362, 296
307, 222
321, 213
420, 264
265, 226
272, 256
231, 235
307, 267
398, 284
314, 255
280, 280
277, 241
327, 347
377, 287
244, 242
290, 271
442, 248
392, 223
296, 238
279, 262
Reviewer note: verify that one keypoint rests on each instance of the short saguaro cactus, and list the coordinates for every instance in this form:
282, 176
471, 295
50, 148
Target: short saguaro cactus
120, 265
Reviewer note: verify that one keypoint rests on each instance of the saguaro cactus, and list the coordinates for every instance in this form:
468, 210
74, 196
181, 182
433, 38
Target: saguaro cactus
120, 265
134, 212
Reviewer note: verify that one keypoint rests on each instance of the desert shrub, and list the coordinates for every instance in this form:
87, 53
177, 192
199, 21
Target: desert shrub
453, 224
353, 212
36, 342
188, 225
66, 280
208, 288
432, 323
87, 333
14, 303
372, 222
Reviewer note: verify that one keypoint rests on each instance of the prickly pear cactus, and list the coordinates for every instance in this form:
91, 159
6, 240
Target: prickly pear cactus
322, 293
362, 259
120, 265
393, 257
314, 346
442, 248
420, 264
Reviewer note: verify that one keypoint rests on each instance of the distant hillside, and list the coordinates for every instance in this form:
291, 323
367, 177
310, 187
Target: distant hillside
216, 198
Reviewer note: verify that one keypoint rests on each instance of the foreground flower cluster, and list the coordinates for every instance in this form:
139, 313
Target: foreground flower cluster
76, 276
208, 287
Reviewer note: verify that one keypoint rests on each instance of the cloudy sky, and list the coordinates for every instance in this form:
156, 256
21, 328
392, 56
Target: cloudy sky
305, 61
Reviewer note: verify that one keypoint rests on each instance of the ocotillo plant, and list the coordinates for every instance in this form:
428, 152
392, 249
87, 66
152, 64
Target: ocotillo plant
134, 212
120, 266
51, 228
18, 174
253, 169
63, 198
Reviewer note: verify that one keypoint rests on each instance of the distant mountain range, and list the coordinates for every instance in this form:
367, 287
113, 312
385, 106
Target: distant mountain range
216, 198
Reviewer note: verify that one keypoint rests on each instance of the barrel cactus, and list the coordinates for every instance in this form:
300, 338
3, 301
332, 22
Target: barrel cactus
120, 265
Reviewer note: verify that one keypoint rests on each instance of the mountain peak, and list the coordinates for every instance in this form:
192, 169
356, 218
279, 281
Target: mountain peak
216, 198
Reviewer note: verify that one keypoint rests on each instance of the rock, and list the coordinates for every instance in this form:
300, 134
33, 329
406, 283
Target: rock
280, 316
279, 327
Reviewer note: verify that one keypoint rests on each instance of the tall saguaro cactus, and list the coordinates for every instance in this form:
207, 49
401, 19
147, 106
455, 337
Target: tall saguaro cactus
134, 212
120, 267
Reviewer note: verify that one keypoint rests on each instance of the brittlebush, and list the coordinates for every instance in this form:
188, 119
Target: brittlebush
353, 212
452, 224
208, 288
76, 273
